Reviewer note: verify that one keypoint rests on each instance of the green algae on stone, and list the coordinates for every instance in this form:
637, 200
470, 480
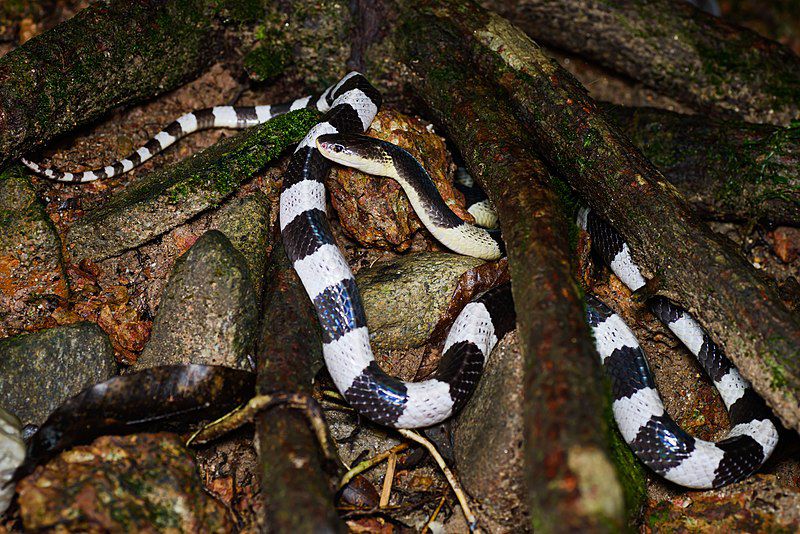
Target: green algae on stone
171, 196
246, 222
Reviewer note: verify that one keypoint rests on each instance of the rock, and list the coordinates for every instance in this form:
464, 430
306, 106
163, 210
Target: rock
136, 483
31, 268
787, 243
12, 454
488, 441
208, 312
246, 222
40, 371
761, 503
375, 211
405, 298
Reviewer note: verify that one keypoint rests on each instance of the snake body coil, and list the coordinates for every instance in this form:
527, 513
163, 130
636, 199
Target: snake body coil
349, 108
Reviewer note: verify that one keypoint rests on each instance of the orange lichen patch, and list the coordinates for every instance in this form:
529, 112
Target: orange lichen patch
374, 211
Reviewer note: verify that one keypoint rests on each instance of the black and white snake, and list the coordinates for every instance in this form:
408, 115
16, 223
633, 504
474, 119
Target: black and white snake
349, 108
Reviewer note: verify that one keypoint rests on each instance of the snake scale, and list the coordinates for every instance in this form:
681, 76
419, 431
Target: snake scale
349, 107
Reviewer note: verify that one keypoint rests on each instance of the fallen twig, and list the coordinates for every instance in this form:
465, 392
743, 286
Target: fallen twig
451, 479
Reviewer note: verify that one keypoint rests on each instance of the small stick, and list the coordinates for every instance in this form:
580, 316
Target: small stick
451, 479
386, 491
245, 414
366, 464
433, 516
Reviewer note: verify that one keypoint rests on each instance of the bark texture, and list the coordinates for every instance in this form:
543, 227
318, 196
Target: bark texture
728, 170
684, 259
297, 493
674, 48
565, 401
112, 53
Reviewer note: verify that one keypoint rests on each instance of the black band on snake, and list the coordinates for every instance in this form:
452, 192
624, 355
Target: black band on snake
349, 108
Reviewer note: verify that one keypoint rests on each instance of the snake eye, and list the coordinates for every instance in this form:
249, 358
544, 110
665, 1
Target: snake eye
337, 148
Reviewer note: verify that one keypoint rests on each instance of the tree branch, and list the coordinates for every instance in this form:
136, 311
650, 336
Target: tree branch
297, 493
565, 398
688, 263
728, 170
712, 65
110, 54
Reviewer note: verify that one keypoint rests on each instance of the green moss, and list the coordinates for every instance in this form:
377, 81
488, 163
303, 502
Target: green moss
569, 204
267, 62
223, 167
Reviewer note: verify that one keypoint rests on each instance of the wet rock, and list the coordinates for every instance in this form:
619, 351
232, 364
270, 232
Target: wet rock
32, 276
208, 312
373, 210
488, 441
405, 298
759, 504
137, 483
12, 454
246, 222
40, 371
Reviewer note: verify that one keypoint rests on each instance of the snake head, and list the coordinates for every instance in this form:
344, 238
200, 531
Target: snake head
360, 152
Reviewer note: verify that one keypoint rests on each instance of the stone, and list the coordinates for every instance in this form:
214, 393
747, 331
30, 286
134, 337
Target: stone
32, 273
405, 298
40, 371
487, 436
761, 503
246, 222
12, 454
787, 243
136, 483
208, 313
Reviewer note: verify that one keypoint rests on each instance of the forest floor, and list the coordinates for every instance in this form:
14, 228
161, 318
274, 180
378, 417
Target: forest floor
123, 294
